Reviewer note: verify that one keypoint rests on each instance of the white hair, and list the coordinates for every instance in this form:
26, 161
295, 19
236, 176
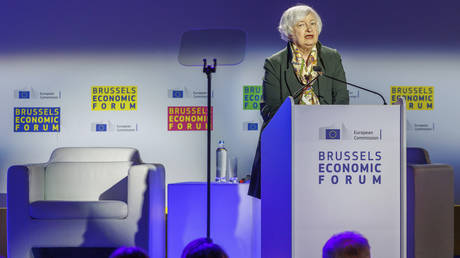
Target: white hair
292, 16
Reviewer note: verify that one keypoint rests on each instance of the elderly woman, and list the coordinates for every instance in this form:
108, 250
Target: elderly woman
291, 72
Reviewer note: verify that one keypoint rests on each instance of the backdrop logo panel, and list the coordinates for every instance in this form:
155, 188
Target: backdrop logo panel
251, 126
417, 97
252, 95
420, 126
110, 126
113, 98
187, 92
100, 127
30, 93
24, 94
176, 93
199, 94
188, 118
37, 119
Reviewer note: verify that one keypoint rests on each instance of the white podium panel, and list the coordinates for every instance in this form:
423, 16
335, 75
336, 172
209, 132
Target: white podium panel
338, 168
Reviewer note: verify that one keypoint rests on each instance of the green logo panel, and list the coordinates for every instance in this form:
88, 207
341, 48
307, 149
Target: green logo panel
252, 94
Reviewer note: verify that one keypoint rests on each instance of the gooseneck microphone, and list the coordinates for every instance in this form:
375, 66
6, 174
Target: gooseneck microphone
297, 93
318, 69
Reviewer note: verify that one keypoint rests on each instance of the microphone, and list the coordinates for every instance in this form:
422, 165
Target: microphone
297, 93
318, 69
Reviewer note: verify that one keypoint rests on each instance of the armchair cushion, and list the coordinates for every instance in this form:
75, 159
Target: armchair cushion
85, 181
89, 154
78, 210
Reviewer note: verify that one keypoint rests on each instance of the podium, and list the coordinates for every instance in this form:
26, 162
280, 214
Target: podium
333, 168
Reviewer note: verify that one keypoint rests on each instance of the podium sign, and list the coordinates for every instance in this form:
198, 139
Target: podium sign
329, 169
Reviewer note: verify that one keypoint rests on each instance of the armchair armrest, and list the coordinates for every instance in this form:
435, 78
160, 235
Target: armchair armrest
36, 182
430, 210
25, 185
146, 200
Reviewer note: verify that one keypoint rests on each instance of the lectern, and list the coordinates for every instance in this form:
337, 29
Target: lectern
333, 168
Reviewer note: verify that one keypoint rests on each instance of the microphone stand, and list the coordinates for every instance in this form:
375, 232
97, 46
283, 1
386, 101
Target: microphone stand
359, 87
208, 70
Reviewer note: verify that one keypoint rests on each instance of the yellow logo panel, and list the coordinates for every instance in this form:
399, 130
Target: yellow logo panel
113, 98
417, 97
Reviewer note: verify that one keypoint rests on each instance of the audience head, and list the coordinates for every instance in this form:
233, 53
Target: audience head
347, 245
203, 248
129, 252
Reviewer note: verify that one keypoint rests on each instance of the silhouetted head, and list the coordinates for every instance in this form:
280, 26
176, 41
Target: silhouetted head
347, 245
203, 248
129, 252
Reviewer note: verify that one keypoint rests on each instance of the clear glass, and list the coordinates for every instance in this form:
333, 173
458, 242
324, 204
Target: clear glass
233, 170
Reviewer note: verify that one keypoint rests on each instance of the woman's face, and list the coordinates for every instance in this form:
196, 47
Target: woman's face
305, 32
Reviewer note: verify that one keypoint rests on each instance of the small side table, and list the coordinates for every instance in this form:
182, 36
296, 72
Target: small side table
235, 218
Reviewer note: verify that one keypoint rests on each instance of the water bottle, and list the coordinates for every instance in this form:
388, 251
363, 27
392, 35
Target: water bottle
221, 163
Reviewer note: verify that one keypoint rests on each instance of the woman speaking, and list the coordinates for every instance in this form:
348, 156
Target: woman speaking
294, 72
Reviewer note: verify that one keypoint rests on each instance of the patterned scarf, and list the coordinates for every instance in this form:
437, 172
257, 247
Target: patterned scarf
305, 73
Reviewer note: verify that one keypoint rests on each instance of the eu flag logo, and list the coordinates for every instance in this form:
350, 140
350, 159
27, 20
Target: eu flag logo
253, 126
332, 134
177, 94
24, 94
101, 127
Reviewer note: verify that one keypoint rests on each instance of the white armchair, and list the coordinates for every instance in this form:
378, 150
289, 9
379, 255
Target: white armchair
87, 197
